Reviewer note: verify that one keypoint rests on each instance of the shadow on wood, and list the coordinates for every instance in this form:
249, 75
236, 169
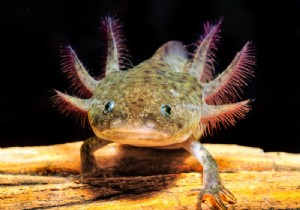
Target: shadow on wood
144, 178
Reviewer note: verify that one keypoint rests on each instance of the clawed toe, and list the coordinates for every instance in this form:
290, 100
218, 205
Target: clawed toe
227, 196
216, 197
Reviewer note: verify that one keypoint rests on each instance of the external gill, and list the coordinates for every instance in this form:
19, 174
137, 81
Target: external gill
213, 116
69, 105
202, 64
225, 88
220, 93
115, 45
83, 83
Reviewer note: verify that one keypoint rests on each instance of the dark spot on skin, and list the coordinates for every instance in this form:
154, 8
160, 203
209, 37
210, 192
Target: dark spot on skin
147, 71
179, 125
159, 77
159, 64
190, 89
151, 117
96, 119
147, 79
141, 100
139, 105
174, 86
164, 86
185, 76
193, 88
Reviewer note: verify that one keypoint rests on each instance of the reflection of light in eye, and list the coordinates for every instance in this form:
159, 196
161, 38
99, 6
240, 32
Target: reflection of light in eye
165, 110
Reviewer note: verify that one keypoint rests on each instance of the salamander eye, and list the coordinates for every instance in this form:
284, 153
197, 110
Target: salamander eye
166, 110
109, 106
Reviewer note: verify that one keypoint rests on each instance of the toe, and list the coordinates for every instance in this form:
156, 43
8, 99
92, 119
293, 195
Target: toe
228, 196
219, 203
214, 201
217, 198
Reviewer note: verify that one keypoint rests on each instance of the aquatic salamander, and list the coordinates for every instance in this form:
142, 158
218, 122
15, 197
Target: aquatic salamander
169, 101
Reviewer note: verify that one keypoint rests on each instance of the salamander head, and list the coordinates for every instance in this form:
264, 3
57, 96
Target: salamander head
165, 99
149, 105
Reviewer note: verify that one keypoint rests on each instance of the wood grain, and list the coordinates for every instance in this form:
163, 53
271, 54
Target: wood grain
48, 178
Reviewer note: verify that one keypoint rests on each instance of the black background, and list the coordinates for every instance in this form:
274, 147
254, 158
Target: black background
32, 31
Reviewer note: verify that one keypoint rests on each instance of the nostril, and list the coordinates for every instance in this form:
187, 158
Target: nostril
150, 124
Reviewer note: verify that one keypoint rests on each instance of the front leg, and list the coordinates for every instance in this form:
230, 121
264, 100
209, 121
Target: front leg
212, 183
88, 161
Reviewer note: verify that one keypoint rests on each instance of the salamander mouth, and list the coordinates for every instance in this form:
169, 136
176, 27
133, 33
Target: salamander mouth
144, 137
136, 133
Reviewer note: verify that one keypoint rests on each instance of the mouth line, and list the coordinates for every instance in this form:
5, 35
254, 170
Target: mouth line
144, 133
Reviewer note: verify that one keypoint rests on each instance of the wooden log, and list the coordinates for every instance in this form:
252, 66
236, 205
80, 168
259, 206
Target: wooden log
41, 177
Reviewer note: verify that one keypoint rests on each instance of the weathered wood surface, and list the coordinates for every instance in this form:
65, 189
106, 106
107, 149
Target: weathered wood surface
47, 178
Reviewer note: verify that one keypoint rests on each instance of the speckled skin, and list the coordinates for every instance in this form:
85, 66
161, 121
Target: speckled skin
138, 94
167, 101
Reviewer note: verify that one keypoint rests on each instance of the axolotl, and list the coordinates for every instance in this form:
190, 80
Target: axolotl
169, 101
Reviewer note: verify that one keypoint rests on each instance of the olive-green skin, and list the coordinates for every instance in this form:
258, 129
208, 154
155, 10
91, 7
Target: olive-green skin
138, 117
